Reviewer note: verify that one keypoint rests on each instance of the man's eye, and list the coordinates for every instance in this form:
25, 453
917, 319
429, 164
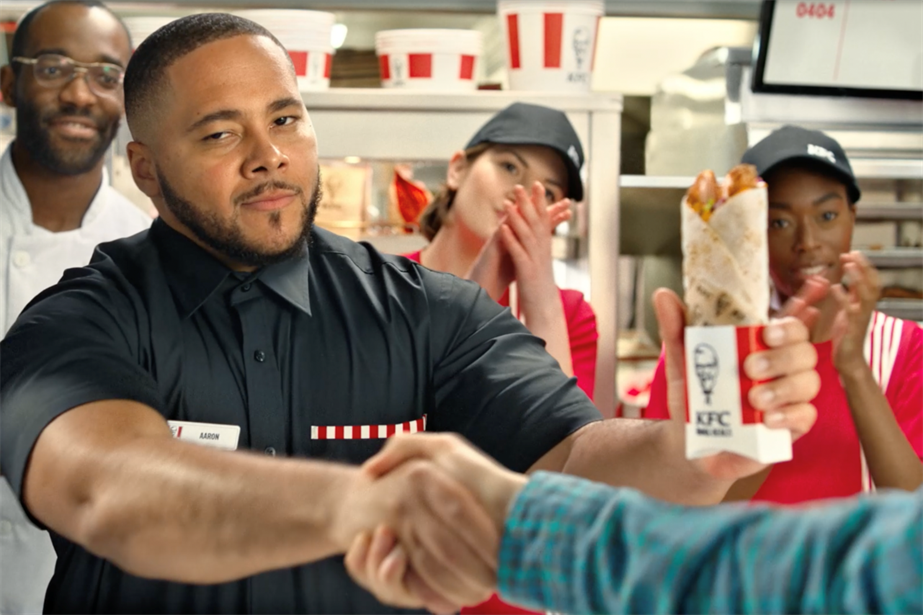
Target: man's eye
285, 120
828, 216
778, 223
215, 136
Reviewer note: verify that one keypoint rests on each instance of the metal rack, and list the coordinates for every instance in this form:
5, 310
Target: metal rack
415, 126
884, 140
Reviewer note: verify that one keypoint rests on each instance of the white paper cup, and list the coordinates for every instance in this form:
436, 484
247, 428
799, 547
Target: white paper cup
550, 45
719, 417
428, 59
306, 37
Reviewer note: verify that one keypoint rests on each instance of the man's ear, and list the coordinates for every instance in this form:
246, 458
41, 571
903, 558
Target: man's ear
143, 169
8, 85
458, 168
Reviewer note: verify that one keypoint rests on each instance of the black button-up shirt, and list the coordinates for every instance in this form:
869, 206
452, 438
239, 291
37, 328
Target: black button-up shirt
318, 357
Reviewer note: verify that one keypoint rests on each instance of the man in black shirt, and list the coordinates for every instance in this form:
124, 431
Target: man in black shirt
235, 324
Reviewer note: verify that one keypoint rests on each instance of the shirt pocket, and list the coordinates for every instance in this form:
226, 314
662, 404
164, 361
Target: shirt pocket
356, 443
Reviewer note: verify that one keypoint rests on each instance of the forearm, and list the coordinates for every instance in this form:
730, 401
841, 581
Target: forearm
891, 459
181, 512
646, 455
549, 323
110, 477
598, 550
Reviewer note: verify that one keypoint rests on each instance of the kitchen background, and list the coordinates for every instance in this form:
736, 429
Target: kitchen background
670, 96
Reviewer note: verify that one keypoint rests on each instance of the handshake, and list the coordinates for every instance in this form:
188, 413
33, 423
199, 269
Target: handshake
421, 525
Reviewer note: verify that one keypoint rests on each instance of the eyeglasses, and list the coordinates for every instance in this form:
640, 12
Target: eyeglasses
53, 70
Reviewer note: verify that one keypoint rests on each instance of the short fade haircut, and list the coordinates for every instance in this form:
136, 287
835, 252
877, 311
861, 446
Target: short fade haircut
146, 72
21, 35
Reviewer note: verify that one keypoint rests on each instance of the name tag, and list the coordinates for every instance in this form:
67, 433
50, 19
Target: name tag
224, 437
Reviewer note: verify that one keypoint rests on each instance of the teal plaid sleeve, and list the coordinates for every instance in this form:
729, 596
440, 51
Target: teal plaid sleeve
574, 546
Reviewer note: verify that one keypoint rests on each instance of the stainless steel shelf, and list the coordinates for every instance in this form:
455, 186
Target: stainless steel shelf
886, 168
908, 309
715, 9
895, 258
889, 211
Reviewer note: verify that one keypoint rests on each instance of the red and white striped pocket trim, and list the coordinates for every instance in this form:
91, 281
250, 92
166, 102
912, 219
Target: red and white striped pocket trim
366, 432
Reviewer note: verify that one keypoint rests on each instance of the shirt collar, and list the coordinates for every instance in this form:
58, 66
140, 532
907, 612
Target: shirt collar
15, 196
289, 280
194, 275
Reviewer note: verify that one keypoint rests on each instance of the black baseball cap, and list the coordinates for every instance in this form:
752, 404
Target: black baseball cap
793, 143
526, 124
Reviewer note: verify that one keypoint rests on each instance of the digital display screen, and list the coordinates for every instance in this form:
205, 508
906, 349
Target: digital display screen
847, 47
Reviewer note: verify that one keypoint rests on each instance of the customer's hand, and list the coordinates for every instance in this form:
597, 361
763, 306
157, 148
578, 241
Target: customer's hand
378, 561
788, 366
447, 539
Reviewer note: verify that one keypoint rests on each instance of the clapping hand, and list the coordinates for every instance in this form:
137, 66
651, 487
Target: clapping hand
521, 245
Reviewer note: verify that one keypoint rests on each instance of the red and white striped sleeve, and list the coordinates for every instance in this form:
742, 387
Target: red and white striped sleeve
894, 349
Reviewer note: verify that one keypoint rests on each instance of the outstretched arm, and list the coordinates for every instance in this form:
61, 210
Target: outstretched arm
650, 455
578, 547
110, 477
574, 546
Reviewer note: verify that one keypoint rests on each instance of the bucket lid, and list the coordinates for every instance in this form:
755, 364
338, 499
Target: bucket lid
594, 7
431, 40
287, 17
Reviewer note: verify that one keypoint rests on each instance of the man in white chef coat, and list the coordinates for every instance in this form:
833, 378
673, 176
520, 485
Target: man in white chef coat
65, 82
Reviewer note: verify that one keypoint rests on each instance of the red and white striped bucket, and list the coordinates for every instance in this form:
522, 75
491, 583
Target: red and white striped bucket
429, 59
306, 37
550, 45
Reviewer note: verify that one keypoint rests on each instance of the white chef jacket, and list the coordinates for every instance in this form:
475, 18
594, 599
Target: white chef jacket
33, 258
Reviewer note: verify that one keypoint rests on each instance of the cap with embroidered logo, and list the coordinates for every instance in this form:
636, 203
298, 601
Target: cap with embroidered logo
794, 142
527, 124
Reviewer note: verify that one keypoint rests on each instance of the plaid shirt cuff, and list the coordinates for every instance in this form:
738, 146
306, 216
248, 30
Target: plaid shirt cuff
537, 563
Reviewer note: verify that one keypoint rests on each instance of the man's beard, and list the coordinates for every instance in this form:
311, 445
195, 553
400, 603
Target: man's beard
32, 134
227, 239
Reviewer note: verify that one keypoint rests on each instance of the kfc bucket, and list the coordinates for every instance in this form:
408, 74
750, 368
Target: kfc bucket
429, 59
306, 37
550, 45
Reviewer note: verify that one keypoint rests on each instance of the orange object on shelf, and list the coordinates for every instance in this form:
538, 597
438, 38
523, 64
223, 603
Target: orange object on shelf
411, 196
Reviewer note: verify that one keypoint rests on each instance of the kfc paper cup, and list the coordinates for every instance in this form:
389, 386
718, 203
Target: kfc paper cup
428, 59
306, 37
719, 417
550, 45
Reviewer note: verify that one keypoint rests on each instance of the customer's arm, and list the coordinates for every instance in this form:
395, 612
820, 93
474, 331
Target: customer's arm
579, 547
650, 455
574, 546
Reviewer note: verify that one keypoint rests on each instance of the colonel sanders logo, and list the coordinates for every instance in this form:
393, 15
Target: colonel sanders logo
581, 46
706, 369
